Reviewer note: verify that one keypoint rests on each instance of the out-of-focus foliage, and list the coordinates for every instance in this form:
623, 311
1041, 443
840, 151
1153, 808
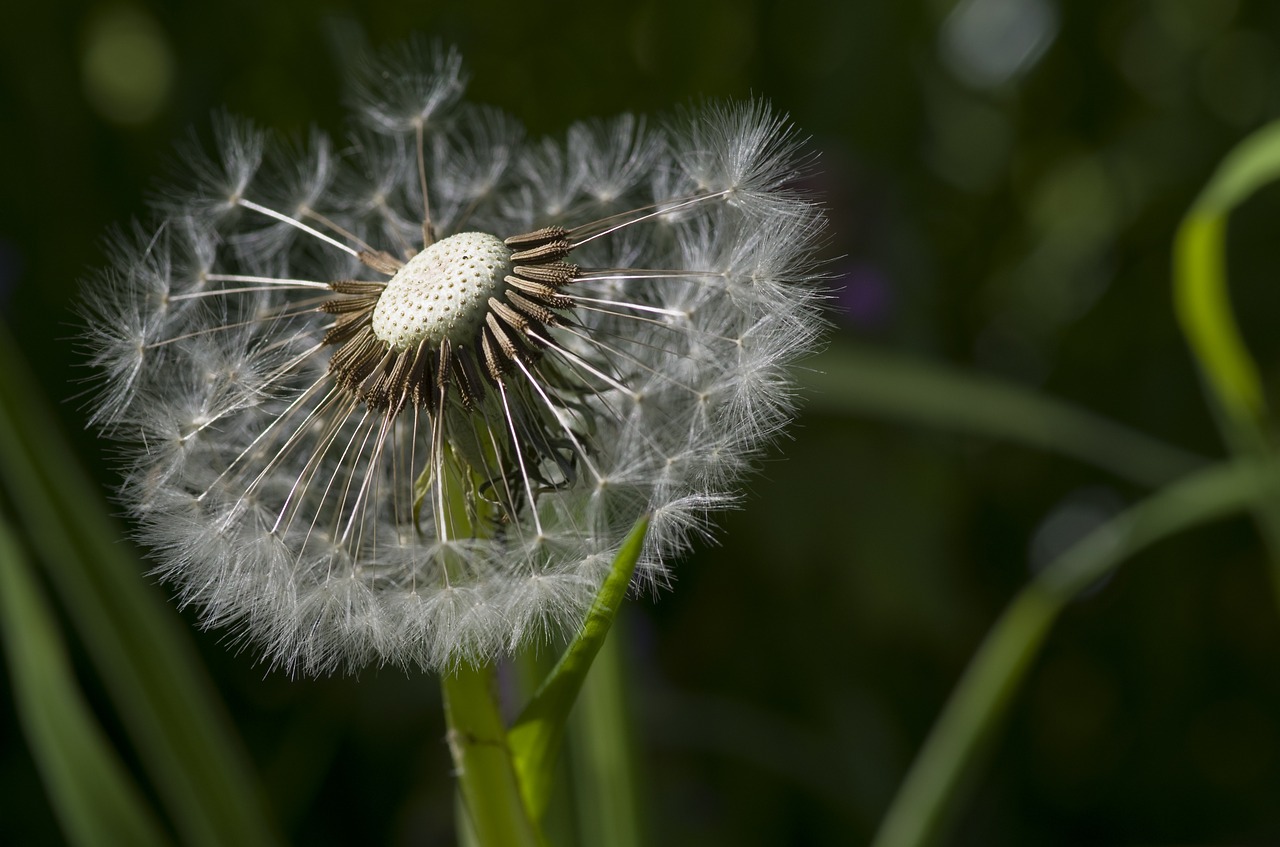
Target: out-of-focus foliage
1004, 179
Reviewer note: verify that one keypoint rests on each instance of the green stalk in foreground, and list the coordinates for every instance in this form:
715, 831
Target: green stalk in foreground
504, 778
487, 778
946, 766
488, 787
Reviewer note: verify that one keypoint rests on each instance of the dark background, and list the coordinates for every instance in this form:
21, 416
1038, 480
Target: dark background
1003, 194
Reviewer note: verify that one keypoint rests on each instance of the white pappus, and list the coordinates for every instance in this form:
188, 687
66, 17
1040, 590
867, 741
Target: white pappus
401, 402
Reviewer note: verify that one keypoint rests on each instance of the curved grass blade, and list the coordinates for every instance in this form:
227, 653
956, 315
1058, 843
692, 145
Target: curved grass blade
1200, 275
535, 737
93, 795
946, 765
138, 646
848, 380
1203, 302
600, 754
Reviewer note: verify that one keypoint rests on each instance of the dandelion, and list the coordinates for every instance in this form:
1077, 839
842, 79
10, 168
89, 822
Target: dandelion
401, 402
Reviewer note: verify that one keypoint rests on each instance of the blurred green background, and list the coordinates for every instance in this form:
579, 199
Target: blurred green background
1004, 178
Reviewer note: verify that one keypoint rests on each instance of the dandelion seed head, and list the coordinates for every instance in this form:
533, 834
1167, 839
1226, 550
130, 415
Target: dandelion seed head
399, 401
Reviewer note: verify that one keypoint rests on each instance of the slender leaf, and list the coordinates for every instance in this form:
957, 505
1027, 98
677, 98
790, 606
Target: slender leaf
600, 755
139, 647
1203, 302
536, 735
1200, 274
946, 765
1204, 311
92, 793
848, 380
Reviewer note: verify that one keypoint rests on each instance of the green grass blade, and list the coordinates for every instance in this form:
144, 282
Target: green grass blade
1203, 302
848, 380
1200, 275
946, 766
138, 645
600, 750
1204, 312
94, 797
536, 735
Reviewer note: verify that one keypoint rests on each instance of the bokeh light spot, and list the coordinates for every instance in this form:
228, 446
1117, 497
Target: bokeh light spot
990, 42
126, 65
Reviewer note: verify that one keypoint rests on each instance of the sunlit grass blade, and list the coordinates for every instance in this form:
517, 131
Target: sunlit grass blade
1203, 300
1200, 276
138, 646
535, 737
947, 765
1204, 312
849, 380
93, 795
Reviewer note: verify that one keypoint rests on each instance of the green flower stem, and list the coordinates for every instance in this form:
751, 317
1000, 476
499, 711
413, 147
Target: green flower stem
462, 820
505, 777
946, 765
486, 772
494, 813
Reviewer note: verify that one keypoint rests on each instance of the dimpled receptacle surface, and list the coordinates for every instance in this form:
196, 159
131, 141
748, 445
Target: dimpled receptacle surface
443, 292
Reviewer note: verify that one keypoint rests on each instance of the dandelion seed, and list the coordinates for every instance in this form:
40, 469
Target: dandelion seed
402, 405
